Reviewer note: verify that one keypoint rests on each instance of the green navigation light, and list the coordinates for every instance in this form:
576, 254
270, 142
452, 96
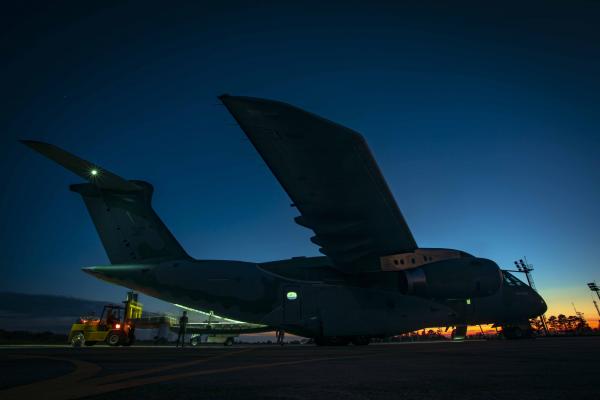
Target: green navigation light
292, 295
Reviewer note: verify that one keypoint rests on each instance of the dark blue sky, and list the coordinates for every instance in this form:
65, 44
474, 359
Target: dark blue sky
484, 119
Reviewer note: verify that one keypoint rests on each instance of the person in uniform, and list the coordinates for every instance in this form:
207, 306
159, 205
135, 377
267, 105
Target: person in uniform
183, 321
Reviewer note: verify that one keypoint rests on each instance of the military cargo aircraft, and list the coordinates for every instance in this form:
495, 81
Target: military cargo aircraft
373, 280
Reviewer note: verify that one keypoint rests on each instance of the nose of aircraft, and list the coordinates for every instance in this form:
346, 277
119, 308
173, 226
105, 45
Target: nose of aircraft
538, 305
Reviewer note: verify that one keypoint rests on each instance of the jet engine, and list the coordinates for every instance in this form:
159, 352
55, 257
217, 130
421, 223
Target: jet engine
452, 279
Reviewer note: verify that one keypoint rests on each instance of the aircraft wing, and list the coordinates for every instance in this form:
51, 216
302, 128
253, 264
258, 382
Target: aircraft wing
332, 178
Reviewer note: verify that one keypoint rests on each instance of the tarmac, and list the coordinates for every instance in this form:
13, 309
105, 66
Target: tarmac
545, 368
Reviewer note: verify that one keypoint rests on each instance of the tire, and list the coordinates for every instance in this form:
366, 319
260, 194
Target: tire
516, 333
361, 340
114, 339
228, 342
194, 341
78, 340
331, 341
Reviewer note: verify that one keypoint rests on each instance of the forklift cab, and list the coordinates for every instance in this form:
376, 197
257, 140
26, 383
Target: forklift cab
111, 317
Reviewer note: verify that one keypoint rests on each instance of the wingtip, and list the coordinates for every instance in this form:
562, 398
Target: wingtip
35, 144
225, 98
29, 142
241, 102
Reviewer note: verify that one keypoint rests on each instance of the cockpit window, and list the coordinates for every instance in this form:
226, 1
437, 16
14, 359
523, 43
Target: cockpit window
511, 280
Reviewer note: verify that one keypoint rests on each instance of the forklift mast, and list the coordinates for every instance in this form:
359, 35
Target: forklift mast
133, 308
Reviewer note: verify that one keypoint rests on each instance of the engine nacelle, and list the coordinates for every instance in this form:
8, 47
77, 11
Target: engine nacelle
461, 278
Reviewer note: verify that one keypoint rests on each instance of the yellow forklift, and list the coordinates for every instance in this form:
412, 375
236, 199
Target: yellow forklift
116, 325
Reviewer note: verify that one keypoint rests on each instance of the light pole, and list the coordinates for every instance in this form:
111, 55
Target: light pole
594, 288
526, 268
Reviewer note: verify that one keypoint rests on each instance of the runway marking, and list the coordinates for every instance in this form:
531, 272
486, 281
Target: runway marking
50, 387
131, 374
165, 378
78, 384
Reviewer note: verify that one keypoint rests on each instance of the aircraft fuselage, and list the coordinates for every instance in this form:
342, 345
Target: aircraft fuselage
308, 297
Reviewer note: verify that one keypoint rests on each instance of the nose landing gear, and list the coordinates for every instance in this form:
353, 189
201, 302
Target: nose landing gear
513, 332
342, 340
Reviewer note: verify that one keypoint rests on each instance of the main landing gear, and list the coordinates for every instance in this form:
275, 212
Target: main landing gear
513, 332
342, 340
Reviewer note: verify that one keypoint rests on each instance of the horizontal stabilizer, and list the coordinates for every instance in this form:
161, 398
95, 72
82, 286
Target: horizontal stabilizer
129, 228
98, 176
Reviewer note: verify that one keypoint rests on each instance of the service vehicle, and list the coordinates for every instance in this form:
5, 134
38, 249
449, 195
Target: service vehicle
115, 326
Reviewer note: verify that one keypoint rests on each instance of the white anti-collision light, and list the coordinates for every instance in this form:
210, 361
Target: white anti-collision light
292, 295
94, 172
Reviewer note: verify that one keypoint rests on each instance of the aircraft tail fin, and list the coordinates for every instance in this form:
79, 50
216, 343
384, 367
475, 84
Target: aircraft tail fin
129, 228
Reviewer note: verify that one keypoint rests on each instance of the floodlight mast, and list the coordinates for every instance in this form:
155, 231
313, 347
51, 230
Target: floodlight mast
526, 268
594, 288
578, 313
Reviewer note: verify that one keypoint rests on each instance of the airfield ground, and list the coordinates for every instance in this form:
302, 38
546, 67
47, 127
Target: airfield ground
552, 368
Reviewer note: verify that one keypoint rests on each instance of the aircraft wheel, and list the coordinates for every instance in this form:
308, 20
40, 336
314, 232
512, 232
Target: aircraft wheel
195, 341
78, 339
361, 340
340, 341
507, 332
511, 332
331, 341
516, 332
114, 339
228, 342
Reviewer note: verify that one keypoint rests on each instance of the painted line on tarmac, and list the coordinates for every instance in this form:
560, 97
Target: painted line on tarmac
51, 388
132, 374
77, 385
165, 378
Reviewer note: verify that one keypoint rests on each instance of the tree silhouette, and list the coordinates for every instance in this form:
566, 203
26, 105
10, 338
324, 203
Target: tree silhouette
562, 324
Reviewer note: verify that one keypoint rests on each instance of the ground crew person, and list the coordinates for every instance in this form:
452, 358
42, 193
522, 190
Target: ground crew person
280, 335
183, 321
